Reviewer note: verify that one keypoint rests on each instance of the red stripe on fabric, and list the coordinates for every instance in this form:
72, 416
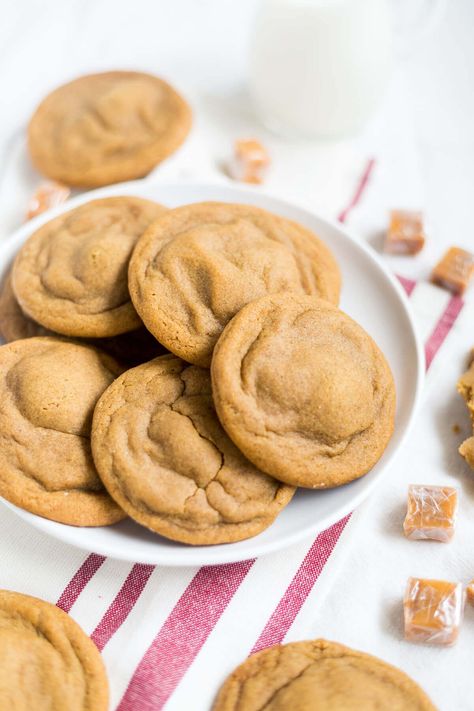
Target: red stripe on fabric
408, 284
79, 581
359, 191
123, 604
442, 328
179, 640
298, 590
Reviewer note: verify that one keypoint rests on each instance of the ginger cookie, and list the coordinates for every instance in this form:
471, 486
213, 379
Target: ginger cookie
47, 662
319, 676
163, 456
48, 391
303, 391
107, 128
195, 268
71, 274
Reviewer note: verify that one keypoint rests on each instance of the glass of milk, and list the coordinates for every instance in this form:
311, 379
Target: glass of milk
319, 67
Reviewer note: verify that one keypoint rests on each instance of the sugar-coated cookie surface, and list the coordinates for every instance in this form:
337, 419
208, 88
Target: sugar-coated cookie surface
71, 274
195, 268
48, 391
163, 456
319, 676
47, 662
106, 128
303, 391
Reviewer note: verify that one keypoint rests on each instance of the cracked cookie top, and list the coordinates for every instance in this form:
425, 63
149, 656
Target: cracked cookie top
195, 268
71, 274
163, 456
106, 128
319, 676
48, 390
47, 662
303, 391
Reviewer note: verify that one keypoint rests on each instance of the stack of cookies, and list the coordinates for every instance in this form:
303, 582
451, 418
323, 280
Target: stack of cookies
247, 380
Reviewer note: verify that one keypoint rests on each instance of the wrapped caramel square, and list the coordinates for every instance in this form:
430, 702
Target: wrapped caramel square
405, 234
470, 592
47, 195
431, 513
454, 271
250, 161
433, 611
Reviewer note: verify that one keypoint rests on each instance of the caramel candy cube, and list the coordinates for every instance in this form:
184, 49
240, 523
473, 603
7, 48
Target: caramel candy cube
405, 234
48, 195
431, 513
432, 611
249, 162
454, 271
470, 592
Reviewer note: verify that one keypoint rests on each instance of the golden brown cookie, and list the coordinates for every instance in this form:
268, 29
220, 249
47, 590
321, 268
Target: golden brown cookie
48, 391
106, 128
303, 391
465, 388
47, 662
14, 324
71, 274
199, 264
319, 676
163, 456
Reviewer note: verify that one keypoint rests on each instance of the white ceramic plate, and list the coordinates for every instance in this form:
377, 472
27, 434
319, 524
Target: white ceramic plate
370, 294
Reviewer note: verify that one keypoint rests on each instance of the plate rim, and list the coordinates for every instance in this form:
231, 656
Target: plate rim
68, 534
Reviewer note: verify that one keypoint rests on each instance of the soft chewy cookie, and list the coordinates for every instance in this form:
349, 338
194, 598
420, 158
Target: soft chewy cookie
303, 391
319, 676
105, 128
163, 456
48, 391
71, 274
199, 264
47, 663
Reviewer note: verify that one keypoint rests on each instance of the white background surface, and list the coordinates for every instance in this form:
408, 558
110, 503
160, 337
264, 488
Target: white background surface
423, 142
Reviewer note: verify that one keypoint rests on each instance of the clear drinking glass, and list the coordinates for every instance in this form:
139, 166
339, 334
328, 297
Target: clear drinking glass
318, 68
